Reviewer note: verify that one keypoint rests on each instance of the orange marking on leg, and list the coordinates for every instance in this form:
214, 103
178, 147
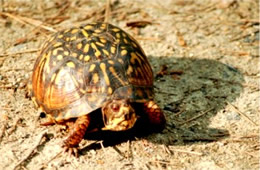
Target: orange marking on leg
155, 115
77, 133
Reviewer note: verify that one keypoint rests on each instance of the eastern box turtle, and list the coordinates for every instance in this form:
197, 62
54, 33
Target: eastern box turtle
94, 66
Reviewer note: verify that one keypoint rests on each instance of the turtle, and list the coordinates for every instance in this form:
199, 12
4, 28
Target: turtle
89, 67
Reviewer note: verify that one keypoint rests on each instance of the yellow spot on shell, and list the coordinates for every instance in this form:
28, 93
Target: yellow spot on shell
121, 61
129, 70
67, 30
57, 44
111, 62
74, 31
125, 40
55, 51
95, 34
74, 54
66, 52
59, 57
82, 91
88, 27
103, 26
92, 67
58, 77
134, 44
105, 52
85, 33
60, 36
98, 31
97, 53
103, 68
53, 77
118, 35
109, 90
103, 40
124, 34
115, 29
71, 64
86, 48
113, 50
79, 46
95, 78
123, 52
81, 57
102, 89
93, 45
87, 58
134, 57
73, 38
113, 71
100, 44
92, 98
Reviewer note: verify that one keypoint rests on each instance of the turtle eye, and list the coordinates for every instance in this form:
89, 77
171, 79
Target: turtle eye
115, 107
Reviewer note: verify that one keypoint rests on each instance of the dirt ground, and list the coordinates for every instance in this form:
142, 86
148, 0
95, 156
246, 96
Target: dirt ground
205, 56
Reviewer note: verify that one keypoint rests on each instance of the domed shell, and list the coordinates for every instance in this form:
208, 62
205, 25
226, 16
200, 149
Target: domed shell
81, 68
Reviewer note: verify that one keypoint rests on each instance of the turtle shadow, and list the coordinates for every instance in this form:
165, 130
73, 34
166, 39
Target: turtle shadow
191, 92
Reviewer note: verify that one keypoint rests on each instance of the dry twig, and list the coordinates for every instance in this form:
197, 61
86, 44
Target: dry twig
13, 128
118, 151
38, 142
108, 11
102, 146
44, 165
28, 21
242, 114
158, 162
166, 149
129, 150
185, 151
139, 24
3, 129
20, 52
196, 117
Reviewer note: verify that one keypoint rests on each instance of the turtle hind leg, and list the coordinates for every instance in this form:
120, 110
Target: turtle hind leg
76, 134
155, 116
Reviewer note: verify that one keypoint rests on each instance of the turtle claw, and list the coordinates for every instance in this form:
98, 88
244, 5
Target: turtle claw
71, 151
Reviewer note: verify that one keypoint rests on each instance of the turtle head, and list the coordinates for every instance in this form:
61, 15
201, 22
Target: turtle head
118, 115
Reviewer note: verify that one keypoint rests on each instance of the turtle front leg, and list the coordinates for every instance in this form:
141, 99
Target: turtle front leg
155, 115
76, 134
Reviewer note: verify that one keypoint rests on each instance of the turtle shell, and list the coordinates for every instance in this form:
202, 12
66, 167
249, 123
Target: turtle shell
81, 68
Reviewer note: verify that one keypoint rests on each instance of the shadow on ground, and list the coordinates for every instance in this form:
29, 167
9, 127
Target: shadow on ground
191, 92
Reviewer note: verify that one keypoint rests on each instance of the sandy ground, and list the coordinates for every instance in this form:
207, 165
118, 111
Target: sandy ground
205, 57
